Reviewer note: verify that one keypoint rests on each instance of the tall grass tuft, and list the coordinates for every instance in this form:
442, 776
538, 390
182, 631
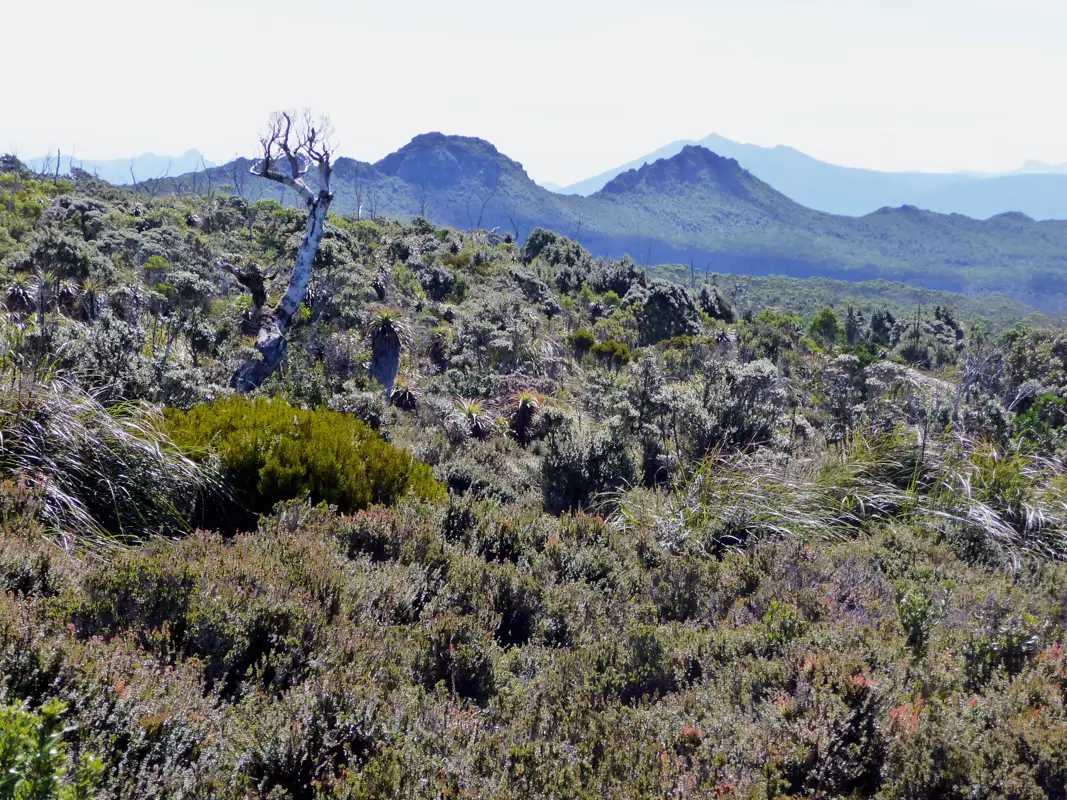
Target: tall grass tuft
1016, 502
106, 476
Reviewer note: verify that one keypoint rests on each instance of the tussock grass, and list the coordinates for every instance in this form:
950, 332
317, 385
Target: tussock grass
105, 475
1017, 501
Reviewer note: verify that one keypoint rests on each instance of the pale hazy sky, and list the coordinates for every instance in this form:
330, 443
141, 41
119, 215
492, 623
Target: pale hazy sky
568, 87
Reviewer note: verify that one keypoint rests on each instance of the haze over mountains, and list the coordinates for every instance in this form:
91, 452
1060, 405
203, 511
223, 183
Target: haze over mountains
695, 206
1036, 189
123, 171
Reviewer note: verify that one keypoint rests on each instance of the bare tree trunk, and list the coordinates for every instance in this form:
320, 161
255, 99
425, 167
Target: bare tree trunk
271, 343
309, 147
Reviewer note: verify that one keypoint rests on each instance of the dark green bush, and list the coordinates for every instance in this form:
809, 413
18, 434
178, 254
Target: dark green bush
579, 468
668, 311
1042, 426
456, 652
581, 342
611, 353
269, 452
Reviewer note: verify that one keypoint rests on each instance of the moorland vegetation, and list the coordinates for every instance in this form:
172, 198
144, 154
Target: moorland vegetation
509, 520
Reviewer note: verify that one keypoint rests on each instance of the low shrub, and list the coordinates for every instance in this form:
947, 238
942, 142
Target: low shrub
269, 451
580, 468
458, 654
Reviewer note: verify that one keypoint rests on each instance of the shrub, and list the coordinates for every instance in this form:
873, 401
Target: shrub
581, 341
611, 353
269, 452
578, 468
825, 328
669, 311
715, 305
32, 757
1042, 426
458, 653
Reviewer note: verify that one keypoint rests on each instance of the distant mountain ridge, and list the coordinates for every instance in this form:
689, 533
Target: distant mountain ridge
694, 206
1041, 168
123, 171
1036, 189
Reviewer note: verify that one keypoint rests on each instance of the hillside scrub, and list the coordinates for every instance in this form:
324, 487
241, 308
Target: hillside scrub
512, 520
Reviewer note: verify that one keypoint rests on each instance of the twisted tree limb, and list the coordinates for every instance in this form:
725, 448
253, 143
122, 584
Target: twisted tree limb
287, 157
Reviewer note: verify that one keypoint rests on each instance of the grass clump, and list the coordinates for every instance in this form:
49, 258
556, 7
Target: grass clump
269, 451
101, 475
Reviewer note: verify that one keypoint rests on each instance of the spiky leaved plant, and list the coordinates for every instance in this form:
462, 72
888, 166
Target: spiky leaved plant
92, 296
45, 290
404, 396
66, 295
438, 348
19, 295
501, 426
474, 416
524, 408
388, 334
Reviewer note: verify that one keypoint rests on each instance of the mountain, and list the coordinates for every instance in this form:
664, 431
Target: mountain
1041, 168
122, 171
695, 206
1038, 195
597, 182
855, 192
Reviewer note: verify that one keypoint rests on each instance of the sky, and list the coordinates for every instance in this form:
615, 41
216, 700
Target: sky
570, 88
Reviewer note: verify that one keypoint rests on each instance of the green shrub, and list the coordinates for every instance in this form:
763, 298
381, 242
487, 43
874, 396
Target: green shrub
579, 468
457, 653
611, 353
1042, 426
459, 260
919, 611
581, 341
33, 758
782, 624
270, 452
668, 311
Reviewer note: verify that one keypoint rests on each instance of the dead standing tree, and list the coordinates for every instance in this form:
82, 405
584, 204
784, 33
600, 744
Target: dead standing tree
288, 155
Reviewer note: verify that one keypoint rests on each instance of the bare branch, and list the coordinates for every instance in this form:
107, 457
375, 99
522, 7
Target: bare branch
301, 148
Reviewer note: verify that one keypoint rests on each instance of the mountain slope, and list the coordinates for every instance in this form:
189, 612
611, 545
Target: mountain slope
702, 207
1041, 168
855, 192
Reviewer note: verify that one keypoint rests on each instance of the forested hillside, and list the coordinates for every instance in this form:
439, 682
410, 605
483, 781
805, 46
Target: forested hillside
516, 520
695, 206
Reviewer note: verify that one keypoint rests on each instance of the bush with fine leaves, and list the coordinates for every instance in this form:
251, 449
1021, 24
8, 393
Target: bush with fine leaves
579, 467
270, 451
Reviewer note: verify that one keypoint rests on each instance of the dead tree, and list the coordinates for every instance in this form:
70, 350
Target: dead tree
511, 218
477, 225
359, 194
288, 154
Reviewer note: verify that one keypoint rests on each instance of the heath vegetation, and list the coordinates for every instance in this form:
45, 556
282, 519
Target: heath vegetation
466, 515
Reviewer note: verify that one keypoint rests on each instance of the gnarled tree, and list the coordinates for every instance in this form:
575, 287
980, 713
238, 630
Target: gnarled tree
291, 147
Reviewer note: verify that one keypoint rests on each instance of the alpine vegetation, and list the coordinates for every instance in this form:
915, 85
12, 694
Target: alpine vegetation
302, 500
